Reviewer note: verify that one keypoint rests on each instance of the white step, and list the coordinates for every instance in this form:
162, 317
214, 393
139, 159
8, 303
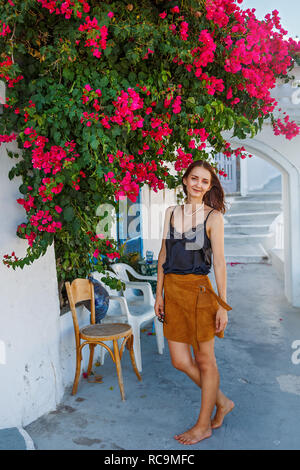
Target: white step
247, 238
246, 229
255, 196
245, 253
247, 205
247, 218
266, 239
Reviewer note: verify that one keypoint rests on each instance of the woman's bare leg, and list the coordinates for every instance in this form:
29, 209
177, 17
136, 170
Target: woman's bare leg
182, 360
223, 405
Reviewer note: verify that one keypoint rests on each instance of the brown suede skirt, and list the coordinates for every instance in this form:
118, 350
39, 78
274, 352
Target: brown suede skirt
190, 306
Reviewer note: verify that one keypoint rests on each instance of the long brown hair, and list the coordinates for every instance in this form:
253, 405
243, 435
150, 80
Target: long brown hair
215, 197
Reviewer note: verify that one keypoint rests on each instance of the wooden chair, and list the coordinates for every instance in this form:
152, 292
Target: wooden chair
93, 334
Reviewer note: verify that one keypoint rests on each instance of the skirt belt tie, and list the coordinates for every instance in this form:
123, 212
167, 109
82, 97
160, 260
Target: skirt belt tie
221, 301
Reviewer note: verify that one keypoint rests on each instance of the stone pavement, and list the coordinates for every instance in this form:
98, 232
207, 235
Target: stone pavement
256, 371
15, 439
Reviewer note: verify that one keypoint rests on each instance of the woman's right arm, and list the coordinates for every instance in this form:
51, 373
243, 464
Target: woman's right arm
159, 301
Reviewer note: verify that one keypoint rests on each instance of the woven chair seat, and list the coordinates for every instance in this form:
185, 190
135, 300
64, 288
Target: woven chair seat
116, 330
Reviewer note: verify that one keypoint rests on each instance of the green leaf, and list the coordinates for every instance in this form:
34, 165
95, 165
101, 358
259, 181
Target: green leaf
199, 110
107, 51
11, 173
94, 144
68, 214
68, 74
116, 131
76, 225
23, 189
57, 136
99, 171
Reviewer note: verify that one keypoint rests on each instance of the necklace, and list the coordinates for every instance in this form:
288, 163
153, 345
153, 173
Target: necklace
201, 207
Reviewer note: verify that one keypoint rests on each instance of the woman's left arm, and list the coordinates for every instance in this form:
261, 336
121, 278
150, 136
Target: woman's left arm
219, 264
217, 244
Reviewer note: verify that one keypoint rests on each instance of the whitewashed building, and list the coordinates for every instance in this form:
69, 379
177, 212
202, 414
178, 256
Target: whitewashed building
37, 354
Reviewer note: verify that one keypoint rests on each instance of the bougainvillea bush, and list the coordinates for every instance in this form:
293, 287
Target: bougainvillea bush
103, 96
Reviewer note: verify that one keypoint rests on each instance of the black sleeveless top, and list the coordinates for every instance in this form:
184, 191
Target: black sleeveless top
189, 252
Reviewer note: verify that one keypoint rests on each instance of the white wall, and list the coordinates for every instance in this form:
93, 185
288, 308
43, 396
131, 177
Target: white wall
30, 376
37, 345
259, 173
286, 159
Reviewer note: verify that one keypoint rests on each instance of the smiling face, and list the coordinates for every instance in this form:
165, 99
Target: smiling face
198, 182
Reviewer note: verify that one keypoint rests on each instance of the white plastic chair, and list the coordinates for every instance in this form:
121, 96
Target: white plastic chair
122, 270
134, 315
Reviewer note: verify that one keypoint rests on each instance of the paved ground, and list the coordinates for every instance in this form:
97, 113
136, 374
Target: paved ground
15, 439
256, 371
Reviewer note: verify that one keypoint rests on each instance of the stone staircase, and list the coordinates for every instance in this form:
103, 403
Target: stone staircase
247, 238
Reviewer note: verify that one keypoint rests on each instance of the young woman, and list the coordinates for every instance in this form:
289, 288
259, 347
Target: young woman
191, 310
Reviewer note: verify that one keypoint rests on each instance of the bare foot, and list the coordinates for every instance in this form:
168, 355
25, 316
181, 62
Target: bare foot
193, 435
221, 412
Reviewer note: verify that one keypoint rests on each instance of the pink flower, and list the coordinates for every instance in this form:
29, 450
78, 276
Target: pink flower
110, 14
183, 30
163, 15
88, 87
30, 238
235, 101
97, 53
229, 94
177, 105
57, 189
58, 209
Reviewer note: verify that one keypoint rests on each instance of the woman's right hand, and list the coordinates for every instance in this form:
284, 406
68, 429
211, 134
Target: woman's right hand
159, 306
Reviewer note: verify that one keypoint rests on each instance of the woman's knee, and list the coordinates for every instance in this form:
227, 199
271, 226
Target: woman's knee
181, 356
206, 362
182, 364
